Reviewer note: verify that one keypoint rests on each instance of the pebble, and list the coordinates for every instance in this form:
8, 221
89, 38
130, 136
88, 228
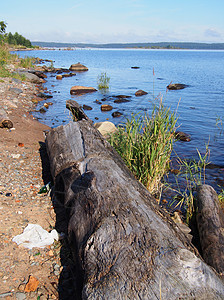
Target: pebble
20, 296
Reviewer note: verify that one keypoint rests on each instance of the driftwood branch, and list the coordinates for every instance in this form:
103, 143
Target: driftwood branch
126, 247
76, 110
210, 222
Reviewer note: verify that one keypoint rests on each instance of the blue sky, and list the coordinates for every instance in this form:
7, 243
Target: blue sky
105, 21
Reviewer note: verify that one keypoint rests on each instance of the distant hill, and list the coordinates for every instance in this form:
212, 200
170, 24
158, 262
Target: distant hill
166, 45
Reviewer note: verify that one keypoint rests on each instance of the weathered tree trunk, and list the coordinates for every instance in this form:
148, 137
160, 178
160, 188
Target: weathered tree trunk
125, 245
210, 223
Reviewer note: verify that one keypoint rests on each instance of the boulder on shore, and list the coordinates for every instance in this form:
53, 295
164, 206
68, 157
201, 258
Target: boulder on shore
30, 76
105, 128
78, 90
78, 67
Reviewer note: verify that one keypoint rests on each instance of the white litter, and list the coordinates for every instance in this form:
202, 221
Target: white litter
35, 236
15, 155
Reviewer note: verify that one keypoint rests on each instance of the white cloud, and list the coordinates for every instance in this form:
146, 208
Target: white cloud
213, 33
184, 34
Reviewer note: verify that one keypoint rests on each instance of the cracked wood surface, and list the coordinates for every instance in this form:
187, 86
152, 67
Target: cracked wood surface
125, 245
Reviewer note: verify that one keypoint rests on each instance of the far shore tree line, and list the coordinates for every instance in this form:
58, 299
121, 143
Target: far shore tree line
13, 39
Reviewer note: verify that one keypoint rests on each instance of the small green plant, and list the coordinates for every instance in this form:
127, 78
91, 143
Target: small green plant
103, 81
221, 198
145, 144
220, 124
51, 65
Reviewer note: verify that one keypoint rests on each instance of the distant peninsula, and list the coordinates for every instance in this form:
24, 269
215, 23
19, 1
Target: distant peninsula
160, 45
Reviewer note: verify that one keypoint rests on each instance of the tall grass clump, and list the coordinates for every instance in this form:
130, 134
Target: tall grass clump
4, 53
103, 81
4, 59
7, 58
145, 144
27, 62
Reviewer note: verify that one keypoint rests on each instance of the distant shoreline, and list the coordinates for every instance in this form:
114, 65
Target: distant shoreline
161, 45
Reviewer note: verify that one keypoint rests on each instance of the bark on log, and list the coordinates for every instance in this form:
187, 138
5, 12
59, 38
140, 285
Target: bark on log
210, 223
125, 245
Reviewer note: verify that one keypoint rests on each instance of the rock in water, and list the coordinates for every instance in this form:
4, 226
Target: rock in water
78, 67
116, 114
106, 107
176, 86
87, 107
77, 90
140, 93
184, 137
59, 77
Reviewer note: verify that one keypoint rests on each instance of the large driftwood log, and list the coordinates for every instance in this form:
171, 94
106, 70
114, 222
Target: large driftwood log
210, 223
125, 245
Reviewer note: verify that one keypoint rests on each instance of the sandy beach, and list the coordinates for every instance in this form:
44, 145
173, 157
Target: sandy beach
22, 174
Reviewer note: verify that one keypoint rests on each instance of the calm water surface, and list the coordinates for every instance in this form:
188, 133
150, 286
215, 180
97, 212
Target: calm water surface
198, 106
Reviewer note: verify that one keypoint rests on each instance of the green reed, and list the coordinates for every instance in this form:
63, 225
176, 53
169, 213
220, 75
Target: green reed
103, 81
192, 171
145, 144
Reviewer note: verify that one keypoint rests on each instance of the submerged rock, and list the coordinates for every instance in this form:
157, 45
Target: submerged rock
69, 74
179, 135
42, 110
44, 96
176, 86
117, 114
123, 96
121, 100
86, 107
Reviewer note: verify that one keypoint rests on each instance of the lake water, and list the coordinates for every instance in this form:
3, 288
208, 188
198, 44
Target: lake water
199, 106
